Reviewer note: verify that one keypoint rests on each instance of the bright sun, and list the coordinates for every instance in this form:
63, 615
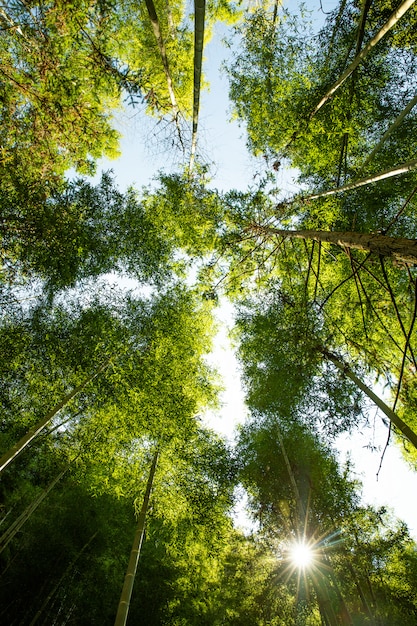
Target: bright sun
301, 555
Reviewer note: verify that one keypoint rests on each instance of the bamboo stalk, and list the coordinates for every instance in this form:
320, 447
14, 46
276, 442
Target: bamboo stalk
17, 449
395, 171
398, 13
124, 603
199, 8
398, 248
14, 528
393, 417
391, 129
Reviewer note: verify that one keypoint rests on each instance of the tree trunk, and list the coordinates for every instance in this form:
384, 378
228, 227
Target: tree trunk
18, 448
398, 248
398, 13
122, 612
199, 9
408, 433
324, 602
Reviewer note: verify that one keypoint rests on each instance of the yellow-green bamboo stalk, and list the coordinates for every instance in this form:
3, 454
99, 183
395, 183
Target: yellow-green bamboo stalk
124, 603
33, 432
398, 13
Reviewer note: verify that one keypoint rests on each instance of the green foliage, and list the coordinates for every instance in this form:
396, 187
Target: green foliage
270, 77
186, 212
281, 344
64, 553
135, 44
56, 94
281, 71
364, 306
154, 385
82, 231
326, 494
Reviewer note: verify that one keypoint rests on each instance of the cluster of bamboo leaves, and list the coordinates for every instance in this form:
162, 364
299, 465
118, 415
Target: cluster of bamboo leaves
104, 379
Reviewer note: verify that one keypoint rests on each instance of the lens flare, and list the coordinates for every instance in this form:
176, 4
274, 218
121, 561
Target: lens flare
301, 555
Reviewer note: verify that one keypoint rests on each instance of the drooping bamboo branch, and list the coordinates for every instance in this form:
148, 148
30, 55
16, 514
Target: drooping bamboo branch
124, 603
398, 248
398, 13
33, 432
199, 18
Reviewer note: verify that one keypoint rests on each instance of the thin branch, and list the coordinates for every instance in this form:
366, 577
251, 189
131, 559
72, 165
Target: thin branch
355, 276
342, 283
384, 450
375, 312
248, 255
406, 348
310, 259
335, 30
394, 302
343, 150
390, 130
359, 41
406, 203
318, 271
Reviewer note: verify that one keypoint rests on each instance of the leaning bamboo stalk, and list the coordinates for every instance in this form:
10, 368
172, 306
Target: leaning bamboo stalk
398, 13
398, 248
392, 416
391, 129
124, 603
17, 449
395, 171
373, 178
14, 528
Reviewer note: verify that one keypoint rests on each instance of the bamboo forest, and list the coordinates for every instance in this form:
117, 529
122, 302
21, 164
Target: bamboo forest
119, 498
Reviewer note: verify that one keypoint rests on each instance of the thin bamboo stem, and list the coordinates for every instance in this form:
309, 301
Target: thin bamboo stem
124, 603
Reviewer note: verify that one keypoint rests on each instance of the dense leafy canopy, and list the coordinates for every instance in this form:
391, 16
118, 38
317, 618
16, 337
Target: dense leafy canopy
107, 301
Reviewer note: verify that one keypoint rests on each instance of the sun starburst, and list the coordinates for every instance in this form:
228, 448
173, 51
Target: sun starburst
301, 554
